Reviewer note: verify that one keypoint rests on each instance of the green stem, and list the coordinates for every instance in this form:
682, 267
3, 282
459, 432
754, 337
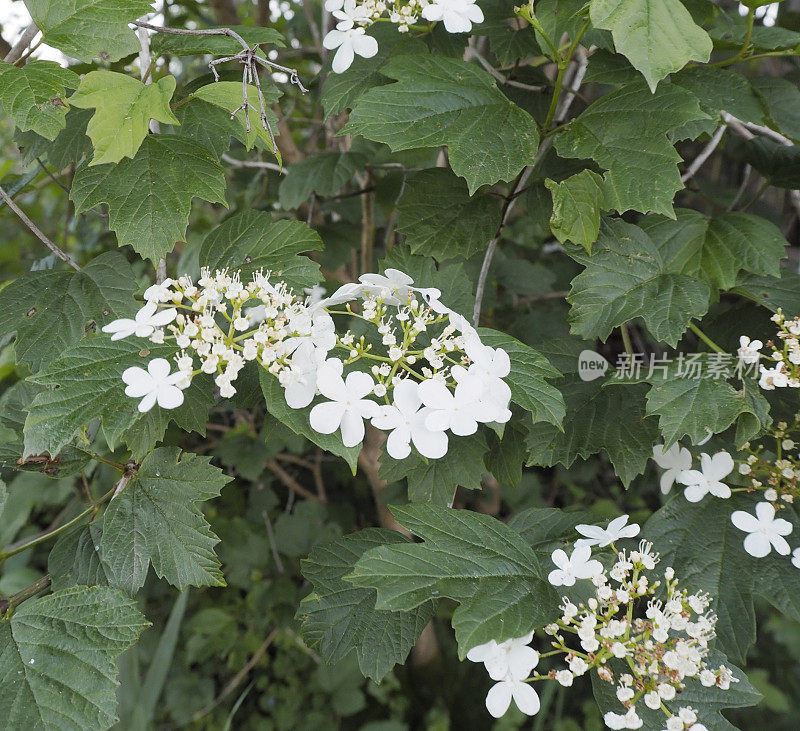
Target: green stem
8, 606
563, 64
707, 340
626, 338
751, 16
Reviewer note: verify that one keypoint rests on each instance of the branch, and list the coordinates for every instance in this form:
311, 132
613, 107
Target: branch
290, 482
472, 52
705, 153
35, 229
252, 164
24, 41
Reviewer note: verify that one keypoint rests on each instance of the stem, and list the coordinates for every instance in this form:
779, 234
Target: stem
626, 338
551, 112
24, 41
8, 606
707, 340
751, 17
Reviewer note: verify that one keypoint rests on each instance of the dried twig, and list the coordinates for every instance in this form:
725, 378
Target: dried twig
290, 482
24, 41
705, 153
252, 164
37, 232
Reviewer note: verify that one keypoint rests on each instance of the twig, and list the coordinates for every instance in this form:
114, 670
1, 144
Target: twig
742, 187
8, 605
24, 41
273, 546
252, 164
472, 52
289, 481
705, 153
35, 230
52, 177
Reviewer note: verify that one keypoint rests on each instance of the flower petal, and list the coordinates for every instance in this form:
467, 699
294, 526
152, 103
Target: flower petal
169, 397
498, 699
326, 418
757, 545
526, 698
352, 428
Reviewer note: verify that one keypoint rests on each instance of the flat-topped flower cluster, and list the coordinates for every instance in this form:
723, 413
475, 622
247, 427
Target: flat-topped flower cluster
419, 372
647, 656
785, 355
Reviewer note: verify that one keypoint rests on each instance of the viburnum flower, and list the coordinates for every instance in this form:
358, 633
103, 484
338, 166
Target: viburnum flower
457, 15
796, 557
351, 43
498, 699
673, 461
623, 720
300, 381
159, 292
406, 420
143, 326
510, 657
700, 483
347, 407
597, 536
489, 366
576, 566
748, 350
459, 412
765, 531
393, 286
155, 384
345, 293
349, 14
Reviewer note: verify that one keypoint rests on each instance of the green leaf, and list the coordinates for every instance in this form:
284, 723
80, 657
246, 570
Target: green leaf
436, 480
529, 369
251, 241
771, 292
699, 541
339, 617
440, 219
69, 146
717, 249
541, 528
508, 39
50, 310
707, 702
779, 164
156, 520
89, 29
75, 559
626, 133
149, 197
506, 456
324, 174
221, 45
124, 107
598, 419
657, 36
209, 125
33, 95
297, 421
625, 278
781, 98
89, 384
57, 658
578, 203
442, 101
476, 560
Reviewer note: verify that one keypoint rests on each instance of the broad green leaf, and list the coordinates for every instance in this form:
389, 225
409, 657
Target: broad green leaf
324, 174
251, 241
339, 617
50, 310
731, 29
88, 377
508, 454
156, 520
598, 419
124, 107
707, 702
626, 133
297, 421
149, 197
578, 203
442, 101
436, 480
542, 528
529, 369
57, 659
34, 95
215, 45
717, 249
209, 125
474, 559
779, 164
440, 219
781, 98
699, 541
657, 36
89, 29
772, 292
509, 38
626, 278
75, 559
69, 146
228, 95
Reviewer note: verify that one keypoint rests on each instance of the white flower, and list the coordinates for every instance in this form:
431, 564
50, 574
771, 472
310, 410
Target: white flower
565, 678
406, 420
498, 699
393, 286
489, 366
673, 461
765, 531
576, 566
350, 14
349, 42
511, 658
345, 293
159, 292
147, 320
597, 536
796, 557
619, 721
459, 412
748, 350
300, 381
331, 5
431, 297
458, 15
699, 483
347, 408
772, 378
155, 384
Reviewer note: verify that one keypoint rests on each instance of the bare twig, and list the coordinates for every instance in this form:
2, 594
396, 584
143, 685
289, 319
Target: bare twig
37, 232
472, 52
742, 187
252, 164
705, 153
52, 177
290, 482
273, 546
24, 41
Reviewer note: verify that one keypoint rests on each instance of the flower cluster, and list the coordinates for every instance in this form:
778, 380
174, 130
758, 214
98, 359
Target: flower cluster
353, 17
434, 374
677, 465
785, 371
658, 630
